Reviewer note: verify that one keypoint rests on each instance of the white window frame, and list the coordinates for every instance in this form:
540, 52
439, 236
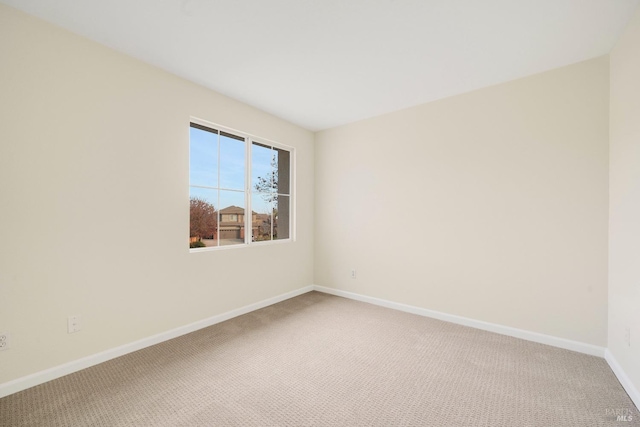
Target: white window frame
248, 216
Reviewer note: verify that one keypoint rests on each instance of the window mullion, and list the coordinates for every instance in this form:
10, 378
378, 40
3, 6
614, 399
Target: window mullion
248, 217
218, 202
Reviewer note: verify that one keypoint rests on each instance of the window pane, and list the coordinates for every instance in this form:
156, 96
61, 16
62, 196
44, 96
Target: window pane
281, 216
262, 168
203, 217
232, 163
203, 157
262, 206
231, 227
282, 165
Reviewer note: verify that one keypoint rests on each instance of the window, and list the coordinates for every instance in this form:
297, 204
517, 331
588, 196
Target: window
270, 197
239, 187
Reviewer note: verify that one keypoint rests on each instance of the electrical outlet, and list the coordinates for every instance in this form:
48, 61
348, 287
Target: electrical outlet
353, 273
627, 336
5, 341
73, 324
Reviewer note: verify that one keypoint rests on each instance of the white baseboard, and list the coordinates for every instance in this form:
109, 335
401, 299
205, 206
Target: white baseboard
631, 390
580, 347
41, 377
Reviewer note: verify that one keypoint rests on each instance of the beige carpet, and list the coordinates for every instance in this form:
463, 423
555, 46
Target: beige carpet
328, 361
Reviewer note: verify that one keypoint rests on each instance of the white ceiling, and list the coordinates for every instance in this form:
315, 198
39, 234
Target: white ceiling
324, 63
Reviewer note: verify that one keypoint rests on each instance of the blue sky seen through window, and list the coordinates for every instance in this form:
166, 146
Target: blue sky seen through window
203, 155
206, 168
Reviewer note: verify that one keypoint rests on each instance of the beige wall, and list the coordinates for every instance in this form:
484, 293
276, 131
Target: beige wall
624, 193
94, 201
490, 205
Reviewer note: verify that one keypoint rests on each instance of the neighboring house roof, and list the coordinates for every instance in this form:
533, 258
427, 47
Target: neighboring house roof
232, 210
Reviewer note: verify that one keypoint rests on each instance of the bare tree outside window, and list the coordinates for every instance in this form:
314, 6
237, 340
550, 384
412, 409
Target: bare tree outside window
267, 185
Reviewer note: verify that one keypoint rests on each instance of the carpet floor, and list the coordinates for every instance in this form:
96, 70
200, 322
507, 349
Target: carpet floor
321, 360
